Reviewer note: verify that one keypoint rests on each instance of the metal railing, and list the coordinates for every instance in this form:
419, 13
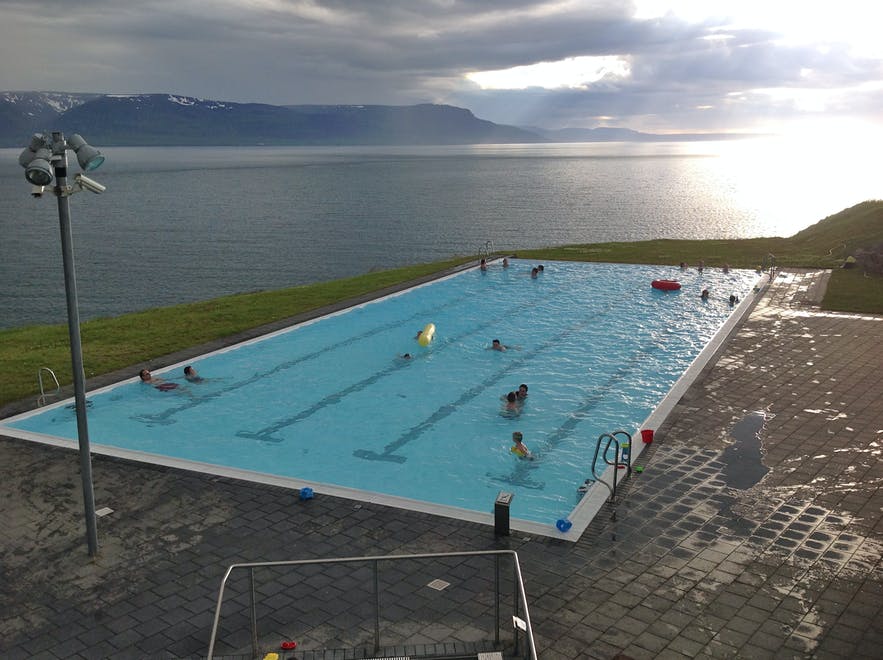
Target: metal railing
521, 624
41, 400
487, 250
621, 459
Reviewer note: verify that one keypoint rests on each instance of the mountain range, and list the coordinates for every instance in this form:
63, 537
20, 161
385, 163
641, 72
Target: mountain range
168, 119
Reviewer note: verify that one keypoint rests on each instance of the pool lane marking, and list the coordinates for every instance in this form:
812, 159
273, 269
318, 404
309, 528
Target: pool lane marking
443, 411
266, 434
165, 417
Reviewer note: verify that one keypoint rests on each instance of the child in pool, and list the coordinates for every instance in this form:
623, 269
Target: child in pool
518, 447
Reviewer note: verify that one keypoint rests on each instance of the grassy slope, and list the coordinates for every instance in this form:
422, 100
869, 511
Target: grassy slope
114, 343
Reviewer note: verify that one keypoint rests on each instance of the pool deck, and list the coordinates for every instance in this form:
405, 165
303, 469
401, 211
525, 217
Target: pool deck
718, 549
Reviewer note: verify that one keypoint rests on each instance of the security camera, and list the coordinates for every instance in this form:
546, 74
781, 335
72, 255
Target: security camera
91, 185
37, 191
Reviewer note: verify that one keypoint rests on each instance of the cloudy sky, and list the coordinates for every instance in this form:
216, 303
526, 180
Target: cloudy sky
652, 65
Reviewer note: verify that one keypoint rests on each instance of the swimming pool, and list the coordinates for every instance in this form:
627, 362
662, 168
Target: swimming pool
333, 405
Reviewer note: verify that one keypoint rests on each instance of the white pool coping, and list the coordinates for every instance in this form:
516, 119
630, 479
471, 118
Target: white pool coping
580, 517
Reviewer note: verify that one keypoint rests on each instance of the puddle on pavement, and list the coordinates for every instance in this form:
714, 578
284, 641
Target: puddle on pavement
743, 460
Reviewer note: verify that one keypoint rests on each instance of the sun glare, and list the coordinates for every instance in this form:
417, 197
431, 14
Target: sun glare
851, 22
573, 72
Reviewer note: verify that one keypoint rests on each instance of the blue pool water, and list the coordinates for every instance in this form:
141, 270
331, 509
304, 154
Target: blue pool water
333, 402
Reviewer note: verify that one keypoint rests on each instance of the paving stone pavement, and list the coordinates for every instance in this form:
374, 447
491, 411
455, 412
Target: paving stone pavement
754, 530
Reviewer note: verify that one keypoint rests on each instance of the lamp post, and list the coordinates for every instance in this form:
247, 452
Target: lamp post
42, 159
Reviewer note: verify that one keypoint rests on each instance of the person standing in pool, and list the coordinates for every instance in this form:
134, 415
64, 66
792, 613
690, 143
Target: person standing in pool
511, 405
522, 392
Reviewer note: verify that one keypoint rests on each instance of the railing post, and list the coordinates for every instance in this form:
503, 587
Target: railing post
517, 593
376, 606
497, 599
254, 615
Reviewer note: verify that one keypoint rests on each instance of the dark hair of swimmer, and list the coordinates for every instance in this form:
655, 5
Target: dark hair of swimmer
511, 397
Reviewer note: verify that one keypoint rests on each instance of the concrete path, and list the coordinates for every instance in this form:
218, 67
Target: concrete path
754, 531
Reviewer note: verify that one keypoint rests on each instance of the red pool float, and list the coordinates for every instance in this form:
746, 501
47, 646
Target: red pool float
666, 285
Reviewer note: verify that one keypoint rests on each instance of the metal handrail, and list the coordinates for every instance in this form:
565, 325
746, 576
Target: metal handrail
621, 458
42, 398
375, 561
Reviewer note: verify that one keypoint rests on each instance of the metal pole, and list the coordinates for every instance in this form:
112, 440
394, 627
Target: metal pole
73, 324
376, 606
497, 599
254, 615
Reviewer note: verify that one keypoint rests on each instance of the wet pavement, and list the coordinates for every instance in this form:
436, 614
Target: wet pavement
753, 531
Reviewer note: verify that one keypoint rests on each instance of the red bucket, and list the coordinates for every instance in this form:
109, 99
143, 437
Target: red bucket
647, 436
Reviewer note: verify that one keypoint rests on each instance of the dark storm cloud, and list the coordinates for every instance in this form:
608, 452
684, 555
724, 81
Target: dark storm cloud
682, 75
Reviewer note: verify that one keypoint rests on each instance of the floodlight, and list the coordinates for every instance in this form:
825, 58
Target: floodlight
26, 156
39, 171
88, 156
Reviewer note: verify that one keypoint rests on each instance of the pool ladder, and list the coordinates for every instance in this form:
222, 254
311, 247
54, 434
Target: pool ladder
621, 459
41, 400
486, 251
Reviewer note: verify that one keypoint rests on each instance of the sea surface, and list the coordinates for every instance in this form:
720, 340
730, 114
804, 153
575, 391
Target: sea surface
182, 224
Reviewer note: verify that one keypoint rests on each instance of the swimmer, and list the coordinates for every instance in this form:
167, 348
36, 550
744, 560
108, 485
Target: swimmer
534, 272
511, 407
158, 383
497, 346
522, 392
518, 447
406, 356
417, 336
483, 265
505, 262
704, 295
541, 268
733, 299
191, 375
146, 377
726, 268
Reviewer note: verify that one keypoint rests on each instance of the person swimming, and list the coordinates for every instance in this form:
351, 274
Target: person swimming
191, 375
158, 383
518, 447
496, 345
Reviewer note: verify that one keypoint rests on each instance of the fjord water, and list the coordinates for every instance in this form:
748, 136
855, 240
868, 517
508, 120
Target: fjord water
184, 224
